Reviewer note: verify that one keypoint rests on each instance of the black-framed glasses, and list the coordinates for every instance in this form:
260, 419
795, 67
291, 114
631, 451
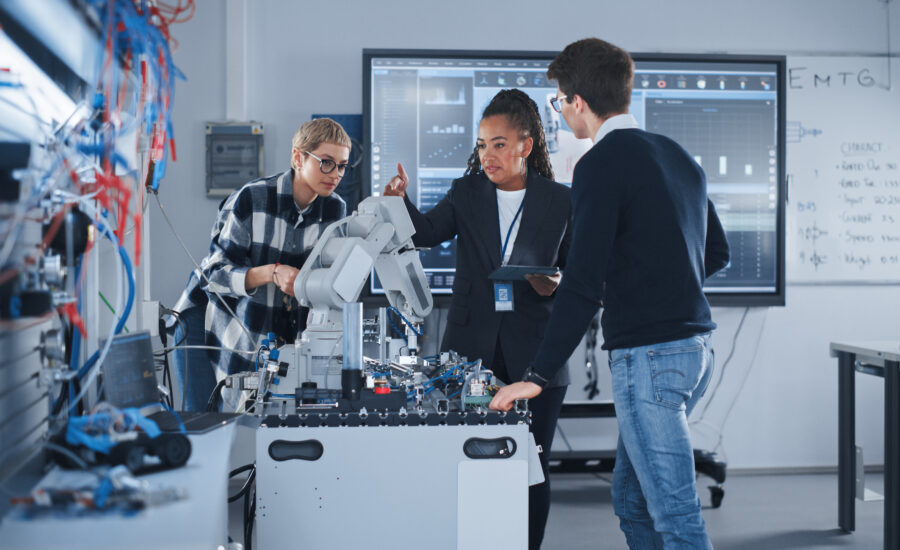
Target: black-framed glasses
327, 166
555, 103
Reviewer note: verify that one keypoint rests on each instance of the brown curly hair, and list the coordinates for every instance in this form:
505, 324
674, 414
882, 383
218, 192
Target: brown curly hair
522, 113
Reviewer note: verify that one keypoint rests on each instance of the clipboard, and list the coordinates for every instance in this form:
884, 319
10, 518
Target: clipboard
518, 272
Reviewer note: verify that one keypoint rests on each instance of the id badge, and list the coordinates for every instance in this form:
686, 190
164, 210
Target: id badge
503, 297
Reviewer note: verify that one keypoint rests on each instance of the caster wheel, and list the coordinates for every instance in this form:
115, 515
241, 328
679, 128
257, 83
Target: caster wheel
172, 449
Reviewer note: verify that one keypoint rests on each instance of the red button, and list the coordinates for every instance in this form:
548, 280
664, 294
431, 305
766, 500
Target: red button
381, 390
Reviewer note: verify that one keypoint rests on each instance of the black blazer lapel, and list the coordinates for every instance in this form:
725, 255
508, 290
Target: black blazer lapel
486, 220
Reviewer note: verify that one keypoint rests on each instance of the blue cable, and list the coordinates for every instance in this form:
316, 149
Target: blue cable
418, 332
397, 330
429, 384
133, 31
124, 317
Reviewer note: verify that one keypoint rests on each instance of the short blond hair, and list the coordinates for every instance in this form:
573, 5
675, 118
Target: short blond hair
316, 132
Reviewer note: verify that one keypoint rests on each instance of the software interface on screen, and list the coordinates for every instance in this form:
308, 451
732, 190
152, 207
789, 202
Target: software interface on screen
424, 112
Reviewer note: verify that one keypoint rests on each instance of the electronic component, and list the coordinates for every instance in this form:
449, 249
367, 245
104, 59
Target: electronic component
122, 436
129, 372
234, 156
118, 489
379, 235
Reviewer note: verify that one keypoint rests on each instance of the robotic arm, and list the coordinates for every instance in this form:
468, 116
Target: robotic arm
379, 234
315, 372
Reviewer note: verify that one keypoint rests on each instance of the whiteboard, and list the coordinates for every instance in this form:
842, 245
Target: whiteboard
843, 170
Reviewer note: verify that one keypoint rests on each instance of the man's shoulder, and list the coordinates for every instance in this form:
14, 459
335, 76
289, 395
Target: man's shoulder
604, 154
636, 140
626, 145
623, 138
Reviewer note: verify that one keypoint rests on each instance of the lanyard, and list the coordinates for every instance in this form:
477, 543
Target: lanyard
509, 232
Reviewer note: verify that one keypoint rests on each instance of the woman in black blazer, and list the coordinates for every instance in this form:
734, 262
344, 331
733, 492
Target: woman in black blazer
508, 205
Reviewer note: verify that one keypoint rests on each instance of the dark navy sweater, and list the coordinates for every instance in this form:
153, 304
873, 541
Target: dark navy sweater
645, 237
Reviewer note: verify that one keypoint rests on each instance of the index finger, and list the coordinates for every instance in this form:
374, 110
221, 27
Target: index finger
402, 173
495, 403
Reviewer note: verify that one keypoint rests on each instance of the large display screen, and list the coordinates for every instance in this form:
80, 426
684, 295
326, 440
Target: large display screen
422, 108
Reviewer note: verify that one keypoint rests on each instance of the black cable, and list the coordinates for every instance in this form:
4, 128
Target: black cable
251, 518
245, 513
183, 325
184, 331
167, 375
68, 336
79, 406
712, 394
213, 404
184, 337
241, 469
168, 383
246, 487
62, 399
163, 334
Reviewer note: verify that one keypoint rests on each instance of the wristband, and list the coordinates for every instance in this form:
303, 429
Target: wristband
534, 378
275, 273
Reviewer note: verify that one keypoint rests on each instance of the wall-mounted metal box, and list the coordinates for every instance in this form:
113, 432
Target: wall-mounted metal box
234, 156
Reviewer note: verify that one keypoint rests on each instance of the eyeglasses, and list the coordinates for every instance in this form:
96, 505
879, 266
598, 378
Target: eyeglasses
555, 103
327, 166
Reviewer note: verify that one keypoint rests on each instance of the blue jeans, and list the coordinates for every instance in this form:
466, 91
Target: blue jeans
193, 369
654, 491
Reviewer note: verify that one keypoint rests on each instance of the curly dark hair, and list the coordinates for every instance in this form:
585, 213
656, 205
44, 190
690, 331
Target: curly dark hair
522, 113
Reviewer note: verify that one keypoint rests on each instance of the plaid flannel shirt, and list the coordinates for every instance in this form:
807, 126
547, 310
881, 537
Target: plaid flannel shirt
258, 224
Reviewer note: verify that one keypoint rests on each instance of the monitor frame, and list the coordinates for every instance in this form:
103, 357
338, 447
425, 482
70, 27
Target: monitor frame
716, 299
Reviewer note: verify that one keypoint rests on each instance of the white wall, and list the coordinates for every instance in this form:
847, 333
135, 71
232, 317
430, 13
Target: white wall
306, 57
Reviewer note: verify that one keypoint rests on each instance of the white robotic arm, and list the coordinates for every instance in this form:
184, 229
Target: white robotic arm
379, 234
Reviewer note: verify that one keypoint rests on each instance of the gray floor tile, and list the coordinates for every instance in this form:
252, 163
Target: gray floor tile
759, 512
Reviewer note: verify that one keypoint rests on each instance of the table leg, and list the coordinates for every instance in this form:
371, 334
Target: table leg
891, 454
846, 442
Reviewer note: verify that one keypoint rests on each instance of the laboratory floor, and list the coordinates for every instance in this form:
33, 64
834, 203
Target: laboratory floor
759, 512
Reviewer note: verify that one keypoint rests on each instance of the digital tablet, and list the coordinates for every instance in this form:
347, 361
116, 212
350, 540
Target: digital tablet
518, 272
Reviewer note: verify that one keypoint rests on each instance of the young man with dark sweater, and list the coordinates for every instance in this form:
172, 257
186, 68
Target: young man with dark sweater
645, 237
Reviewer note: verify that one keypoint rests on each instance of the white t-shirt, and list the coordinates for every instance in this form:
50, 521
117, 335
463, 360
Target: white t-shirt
508, 203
